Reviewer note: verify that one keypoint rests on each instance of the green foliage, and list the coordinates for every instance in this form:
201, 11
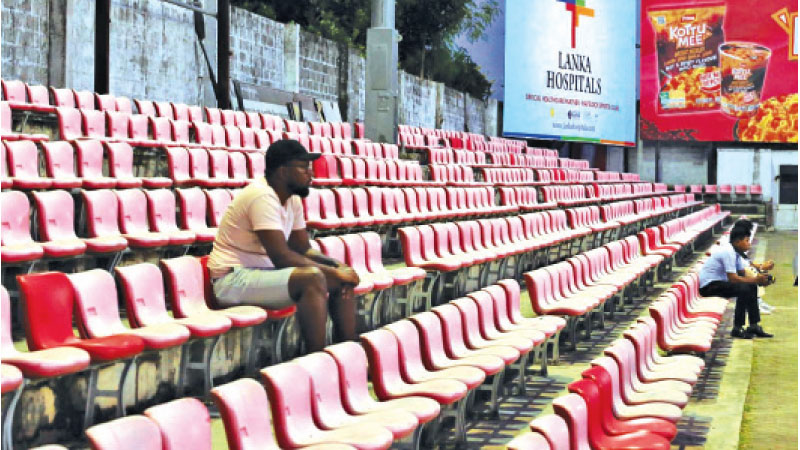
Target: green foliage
428, 27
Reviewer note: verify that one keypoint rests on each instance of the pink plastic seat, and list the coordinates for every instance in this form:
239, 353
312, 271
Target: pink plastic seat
59, 159
356, 258
98, 316
193, 207
328, 409
161, 207
90, 165
120, 166
199, 169
23, 165
56, 218
133, 220
529, 441
17, 243
185, 287
289, 390
217, 201
184, 423
126, 433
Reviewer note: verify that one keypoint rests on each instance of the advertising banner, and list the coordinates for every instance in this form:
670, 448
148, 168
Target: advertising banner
570, 70
719, 70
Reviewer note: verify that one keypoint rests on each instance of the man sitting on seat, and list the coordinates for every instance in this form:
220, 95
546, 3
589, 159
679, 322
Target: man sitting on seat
723, 275
262, 256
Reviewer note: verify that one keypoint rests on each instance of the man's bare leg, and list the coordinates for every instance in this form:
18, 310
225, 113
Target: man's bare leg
342, 305
308, 289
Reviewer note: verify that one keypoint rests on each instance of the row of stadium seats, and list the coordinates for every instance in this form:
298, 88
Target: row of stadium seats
737, 192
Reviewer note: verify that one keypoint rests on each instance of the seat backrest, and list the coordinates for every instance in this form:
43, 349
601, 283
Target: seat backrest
218, 201
47, 303
142, 288
383, 354
59, 159
132, 211
161, 207
23, 158
351, 363
554, 429
98, 315
6, 341
16, 221
90, 158
102, 212
183, 277
326, 392
56, 211
572, 408
184, 423
193, 207
244, 409
120, 159
126, 433
289, 391
84, 100
529, 441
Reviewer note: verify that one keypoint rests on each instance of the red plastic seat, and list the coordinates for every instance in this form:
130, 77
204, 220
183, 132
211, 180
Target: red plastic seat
289, 390
23, 165
356, 258
51, 362
126, 433
601, 409
199, 166
59, 157
218, 165
161, 207
102, 212
328, 409
320, 210
94, 124
401, 275
98, 315
17, 243
105, 102
643, 386
587, 433
184, 423
48, 302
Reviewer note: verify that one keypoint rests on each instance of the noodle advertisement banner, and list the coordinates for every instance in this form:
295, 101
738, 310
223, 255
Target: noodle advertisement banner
570, 70
722, 70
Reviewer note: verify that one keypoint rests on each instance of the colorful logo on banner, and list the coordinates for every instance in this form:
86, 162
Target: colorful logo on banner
724, 70
562, 86
577, 8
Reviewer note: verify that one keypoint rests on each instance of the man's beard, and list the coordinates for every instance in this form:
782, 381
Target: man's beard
301, 191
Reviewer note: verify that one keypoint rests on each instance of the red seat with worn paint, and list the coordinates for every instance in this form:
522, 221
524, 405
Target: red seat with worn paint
133, 220
90, 166
23, 165
217, 201
51, 362
161, 207
120, 166
48, 302
193, 207
59, 157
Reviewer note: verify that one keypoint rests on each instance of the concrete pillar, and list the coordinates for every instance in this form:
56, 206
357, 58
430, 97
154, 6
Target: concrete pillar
56, 57
381, 119
291, 57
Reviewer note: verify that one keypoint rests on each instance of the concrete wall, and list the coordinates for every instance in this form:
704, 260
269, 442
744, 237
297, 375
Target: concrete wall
451, 103
257, 48
156, 55
679, 163
25, 26
318, 67
417, 101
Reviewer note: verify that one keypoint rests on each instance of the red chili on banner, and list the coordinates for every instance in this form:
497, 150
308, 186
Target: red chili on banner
722, 70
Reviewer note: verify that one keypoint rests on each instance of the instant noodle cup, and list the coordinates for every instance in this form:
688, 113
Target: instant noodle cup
687, 44
744, 67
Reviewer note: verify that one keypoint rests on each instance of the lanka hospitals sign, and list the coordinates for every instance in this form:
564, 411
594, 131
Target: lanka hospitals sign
570, 70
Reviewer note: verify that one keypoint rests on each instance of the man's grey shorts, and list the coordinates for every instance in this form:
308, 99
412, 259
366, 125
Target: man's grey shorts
268, 288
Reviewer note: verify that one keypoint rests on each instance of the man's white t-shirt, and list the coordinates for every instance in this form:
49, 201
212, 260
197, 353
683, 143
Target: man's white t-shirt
256, 207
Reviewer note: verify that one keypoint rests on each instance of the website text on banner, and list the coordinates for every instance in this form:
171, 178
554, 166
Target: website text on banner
570, 70
719, 71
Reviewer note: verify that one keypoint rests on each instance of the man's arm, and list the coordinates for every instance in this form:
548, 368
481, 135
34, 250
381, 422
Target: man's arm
298, 241
742, 277
282, 255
